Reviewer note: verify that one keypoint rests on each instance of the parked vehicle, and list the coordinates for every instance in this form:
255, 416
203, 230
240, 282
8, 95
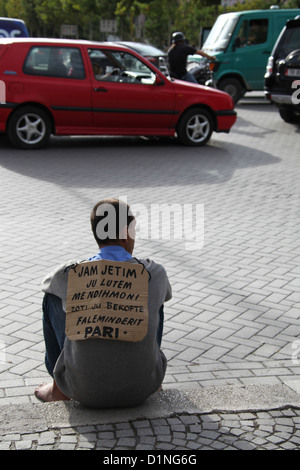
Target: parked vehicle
242, 43
66, 87
151, 53
282, 78
13, 27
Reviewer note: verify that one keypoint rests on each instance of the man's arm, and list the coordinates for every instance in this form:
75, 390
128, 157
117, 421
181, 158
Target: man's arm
57, 281
203, 54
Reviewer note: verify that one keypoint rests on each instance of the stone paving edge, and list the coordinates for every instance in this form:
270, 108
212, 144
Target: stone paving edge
27, 418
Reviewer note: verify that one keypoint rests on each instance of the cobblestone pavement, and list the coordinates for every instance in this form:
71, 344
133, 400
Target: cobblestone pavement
272, 430
234, 316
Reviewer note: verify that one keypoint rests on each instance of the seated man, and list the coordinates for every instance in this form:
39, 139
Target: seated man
97, 372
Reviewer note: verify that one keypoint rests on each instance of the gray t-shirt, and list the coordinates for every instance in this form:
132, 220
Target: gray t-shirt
103, 373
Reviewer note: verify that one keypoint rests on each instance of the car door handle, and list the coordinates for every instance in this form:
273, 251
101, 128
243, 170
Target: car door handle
102, 89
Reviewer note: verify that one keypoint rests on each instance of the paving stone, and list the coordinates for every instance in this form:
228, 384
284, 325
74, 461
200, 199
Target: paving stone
235, 301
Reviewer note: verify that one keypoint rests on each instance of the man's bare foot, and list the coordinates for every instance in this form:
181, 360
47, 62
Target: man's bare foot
50, 392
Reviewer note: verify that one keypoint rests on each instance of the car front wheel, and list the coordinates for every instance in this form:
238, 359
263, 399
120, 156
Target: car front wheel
233, 87
195, 127
29, 128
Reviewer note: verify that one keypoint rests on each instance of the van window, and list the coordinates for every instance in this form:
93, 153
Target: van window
119, 66
220, 35
54, 62
252, 32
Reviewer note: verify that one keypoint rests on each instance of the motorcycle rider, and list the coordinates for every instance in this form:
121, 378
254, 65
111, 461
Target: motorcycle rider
177, 57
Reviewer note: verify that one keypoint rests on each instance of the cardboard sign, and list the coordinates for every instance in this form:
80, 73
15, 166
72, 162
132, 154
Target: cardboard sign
107, 300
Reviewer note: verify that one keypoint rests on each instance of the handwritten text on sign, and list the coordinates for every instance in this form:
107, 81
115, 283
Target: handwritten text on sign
108, 300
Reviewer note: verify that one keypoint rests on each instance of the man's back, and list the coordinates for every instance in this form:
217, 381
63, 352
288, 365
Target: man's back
104, 373
177, 57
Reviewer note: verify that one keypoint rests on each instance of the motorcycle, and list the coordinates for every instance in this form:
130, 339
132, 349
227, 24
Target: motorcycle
202, 72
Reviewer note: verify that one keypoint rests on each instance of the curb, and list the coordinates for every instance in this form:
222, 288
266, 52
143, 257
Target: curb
32, 418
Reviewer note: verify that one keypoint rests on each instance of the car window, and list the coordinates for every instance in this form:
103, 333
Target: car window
252, 32
120, 66
289, 42
53, 61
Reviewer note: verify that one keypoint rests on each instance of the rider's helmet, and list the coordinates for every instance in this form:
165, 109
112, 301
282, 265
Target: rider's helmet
177, 37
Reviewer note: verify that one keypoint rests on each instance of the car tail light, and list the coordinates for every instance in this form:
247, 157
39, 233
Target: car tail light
270, 65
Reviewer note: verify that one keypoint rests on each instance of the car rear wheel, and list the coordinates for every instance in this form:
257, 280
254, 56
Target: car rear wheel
195, 127
29, 128
289, 114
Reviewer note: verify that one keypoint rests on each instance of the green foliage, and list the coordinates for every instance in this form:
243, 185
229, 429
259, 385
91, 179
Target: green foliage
162, 17
193, 15
159, 24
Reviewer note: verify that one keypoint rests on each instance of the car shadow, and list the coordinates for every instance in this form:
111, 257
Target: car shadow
133, 162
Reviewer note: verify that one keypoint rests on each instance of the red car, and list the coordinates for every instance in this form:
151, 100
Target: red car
65, 87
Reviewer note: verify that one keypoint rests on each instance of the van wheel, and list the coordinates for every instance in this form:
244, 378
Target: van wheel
233, 87
195, 127
29, 128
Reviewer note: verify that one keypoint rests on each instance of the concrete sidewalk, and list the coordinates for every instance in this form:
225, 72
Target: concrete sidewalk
227, 418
